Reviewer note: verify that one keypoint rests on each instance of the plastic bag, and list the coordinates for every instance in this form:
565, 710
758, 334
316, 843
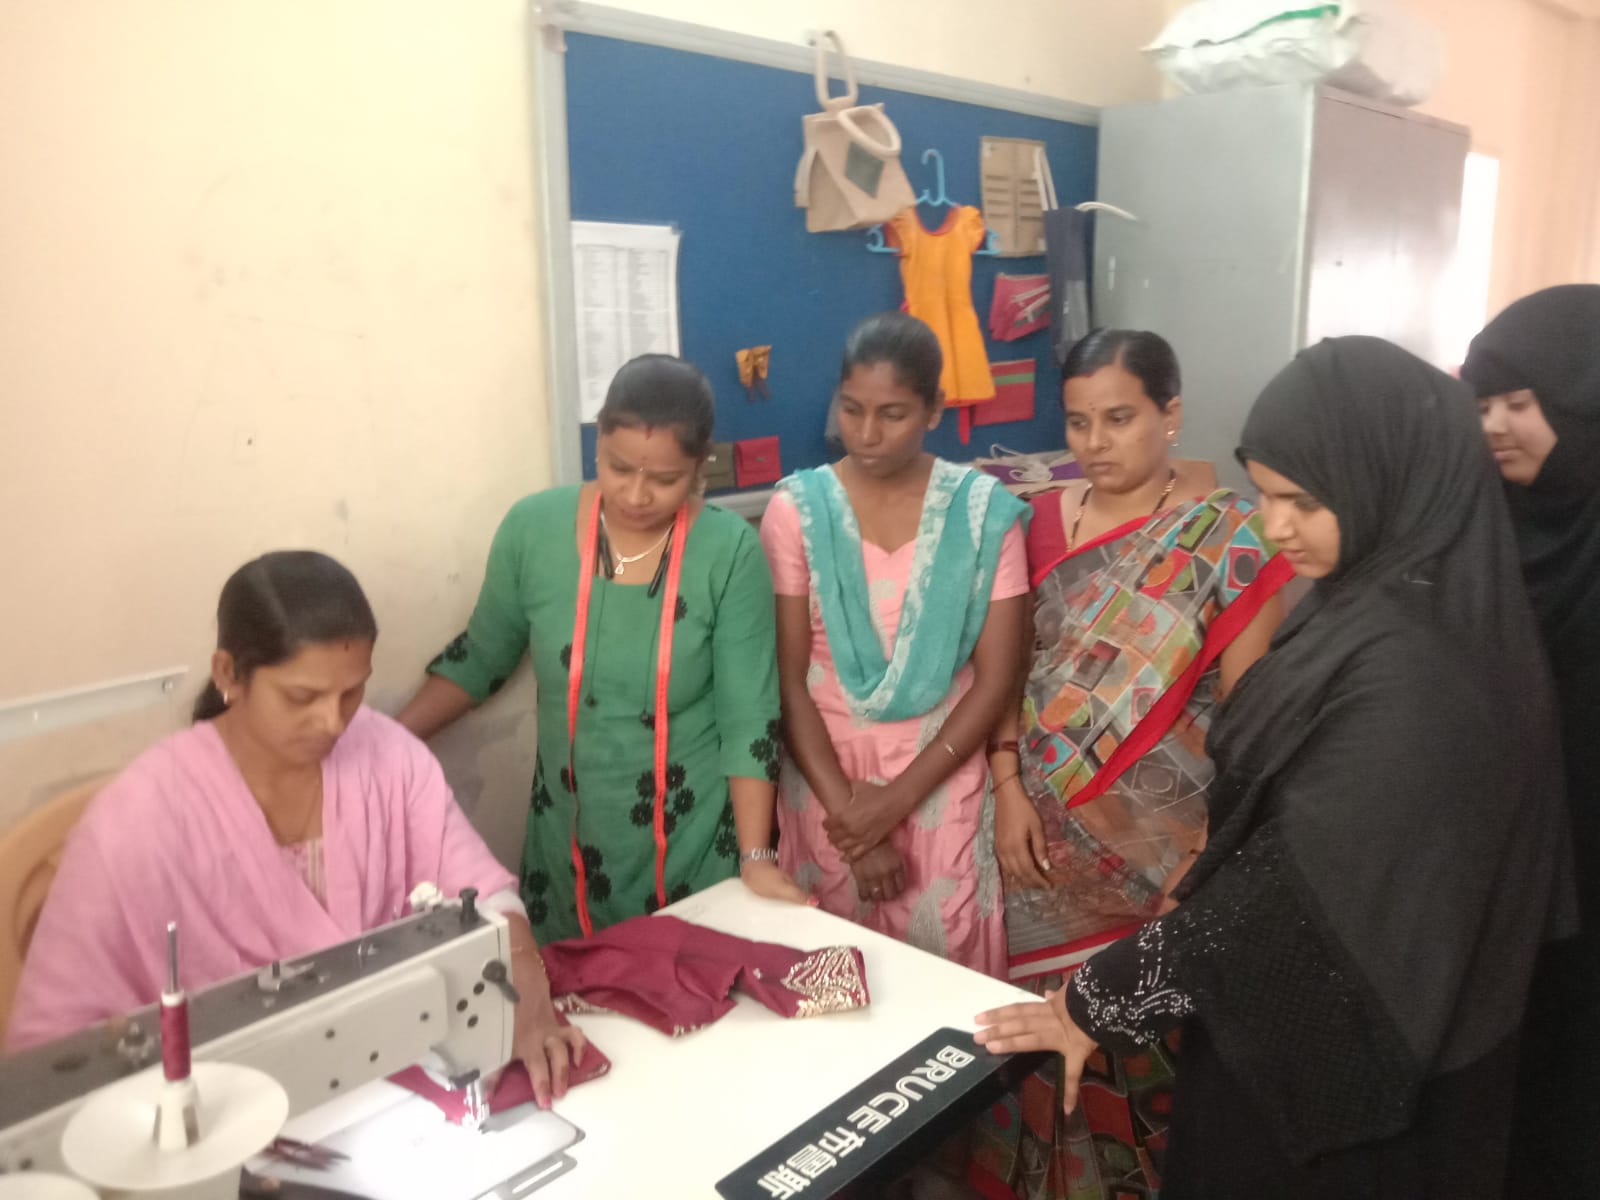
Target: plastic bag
1371, 47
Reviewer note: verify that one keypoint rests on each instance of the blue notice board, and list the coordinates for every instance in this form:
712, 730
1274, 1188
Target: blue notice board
669, 137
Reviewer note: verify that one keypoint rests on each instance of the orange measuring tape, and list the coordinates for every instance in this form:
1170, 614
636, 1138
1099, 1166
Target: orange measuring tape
580, 636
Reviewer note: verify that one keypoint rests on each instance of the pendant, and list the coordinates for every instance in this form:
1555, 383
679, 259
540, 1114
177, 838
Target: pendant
622, 569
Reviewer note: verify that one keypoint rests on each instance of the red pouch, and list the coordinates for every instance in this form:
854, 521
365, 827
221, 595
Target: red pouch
1021, 306
755, 461
1014, 384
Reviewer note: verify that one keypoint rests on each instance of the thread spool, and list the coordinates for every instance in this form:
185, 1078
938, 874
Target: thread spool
108, 1141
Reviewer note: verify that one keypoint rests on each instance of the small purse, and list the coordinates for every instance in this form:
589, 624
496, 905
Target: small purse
1021, 306
719, 474
1014, 385
755, 462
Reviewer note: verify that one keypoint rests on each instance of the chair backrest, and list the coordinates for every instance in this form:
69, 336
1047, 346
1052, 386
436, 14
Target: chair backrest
29, 855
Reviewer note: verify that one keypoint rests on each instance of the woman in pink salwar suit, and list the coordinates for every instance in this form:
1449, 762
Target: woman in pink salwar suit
287, 818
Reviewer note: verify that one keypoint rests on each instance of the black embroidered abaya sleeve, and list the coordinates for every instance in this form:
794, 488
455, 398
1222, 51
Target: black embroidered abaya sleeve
1344, 932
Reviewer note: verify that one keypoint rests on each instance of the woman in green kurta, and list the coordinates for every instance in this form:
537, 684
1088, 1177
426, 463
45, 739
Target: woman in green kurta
722, 747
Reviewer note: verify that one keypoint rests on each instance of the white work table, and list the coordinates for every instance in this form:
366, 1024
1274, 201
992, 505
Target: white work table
675, 1115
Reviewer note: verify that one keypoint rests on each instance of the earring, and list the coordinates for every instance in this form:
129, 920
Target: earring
1172, 438
224, 699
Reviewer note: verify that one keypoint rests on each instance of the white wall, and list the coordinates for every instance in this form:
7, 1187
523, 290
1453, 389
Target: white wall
1525, 76
1083, 50
266, 279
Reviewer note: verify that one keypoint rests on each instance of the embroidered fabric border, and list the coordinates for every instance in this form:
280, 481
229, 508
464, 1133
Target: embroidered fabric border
828, 981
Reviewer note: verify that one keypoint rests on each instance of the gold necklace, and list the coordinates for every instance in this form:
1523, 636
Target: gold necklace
620, 561
1072, 538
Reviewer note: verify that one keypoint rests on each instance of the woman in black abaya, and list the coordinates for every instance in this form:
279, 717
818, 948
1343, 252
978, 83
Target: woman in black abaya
1536, 369
1351, 954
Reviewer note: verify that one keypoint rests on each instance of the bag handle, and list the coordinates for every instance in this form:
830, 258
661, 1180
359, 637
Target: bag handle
802, 178
888, 148
820, 70
1047, 181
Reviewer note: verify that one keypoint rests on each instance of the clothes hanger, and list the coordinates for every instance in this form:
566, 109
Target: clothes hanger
1047, 191
942, 198
876, 244
1097, 206
1045, 180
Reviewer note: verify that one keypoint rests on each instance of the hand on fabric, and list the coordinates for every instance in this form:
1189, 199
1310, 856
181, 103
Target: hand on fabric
875, 809
1040, 1025
1019, 841
765, 879
548, 1050
880, 873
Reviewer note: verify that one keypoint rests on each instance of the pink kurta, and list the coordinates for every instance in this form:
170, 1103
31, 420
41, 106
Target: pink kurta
178, 836
952, 904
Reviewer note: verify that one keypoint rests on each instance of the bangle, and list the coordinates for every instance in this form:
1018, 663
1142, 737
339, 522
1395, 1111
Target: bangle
747, 857
999, 783
1009, 746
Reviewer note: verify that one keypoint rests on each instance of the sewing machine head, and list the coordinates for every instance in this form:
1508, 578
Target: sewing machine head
429, 988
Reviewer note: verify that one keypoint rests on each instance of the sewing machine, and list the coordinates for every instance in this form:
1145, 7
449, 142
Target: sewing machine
432, 988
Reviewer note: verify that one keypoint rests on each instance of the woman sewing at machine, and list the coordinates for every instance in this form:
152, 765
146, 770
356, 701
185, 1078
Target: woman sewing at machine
287, 818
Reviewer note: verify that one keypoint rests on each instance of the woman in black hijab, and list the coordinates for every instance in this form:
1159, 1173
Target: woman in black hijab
1351, 953
1536, 369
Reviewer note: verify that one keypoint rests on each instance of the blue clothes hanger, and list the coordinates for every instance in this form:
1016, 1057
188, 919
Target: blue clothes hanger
942, 199
877, 244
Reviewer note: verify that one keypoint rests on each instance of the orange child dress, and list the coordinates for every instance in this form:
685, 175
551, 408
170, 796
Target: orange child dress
936, 268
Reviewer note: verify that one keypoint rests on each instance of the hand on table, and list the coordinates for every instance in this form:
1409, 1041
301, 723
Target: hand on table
766, 879
1040, 1025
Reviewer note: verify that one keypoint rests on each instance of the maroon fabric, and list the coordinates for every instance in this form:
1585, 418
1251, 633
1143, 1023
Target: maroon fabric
677, 977
512, 1088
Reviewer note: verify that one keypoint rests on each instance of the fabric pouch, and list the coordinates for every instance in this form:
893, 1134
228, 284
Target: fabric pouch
719, 473
755, 462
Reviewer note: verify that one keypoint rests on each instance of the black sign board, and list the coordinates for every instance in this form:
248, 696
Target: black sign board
868, 1123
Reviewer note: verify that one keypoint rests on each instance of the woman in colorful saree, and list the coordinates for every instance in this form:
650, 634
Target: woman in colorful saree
1153, 593
1350, 956
902, 619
